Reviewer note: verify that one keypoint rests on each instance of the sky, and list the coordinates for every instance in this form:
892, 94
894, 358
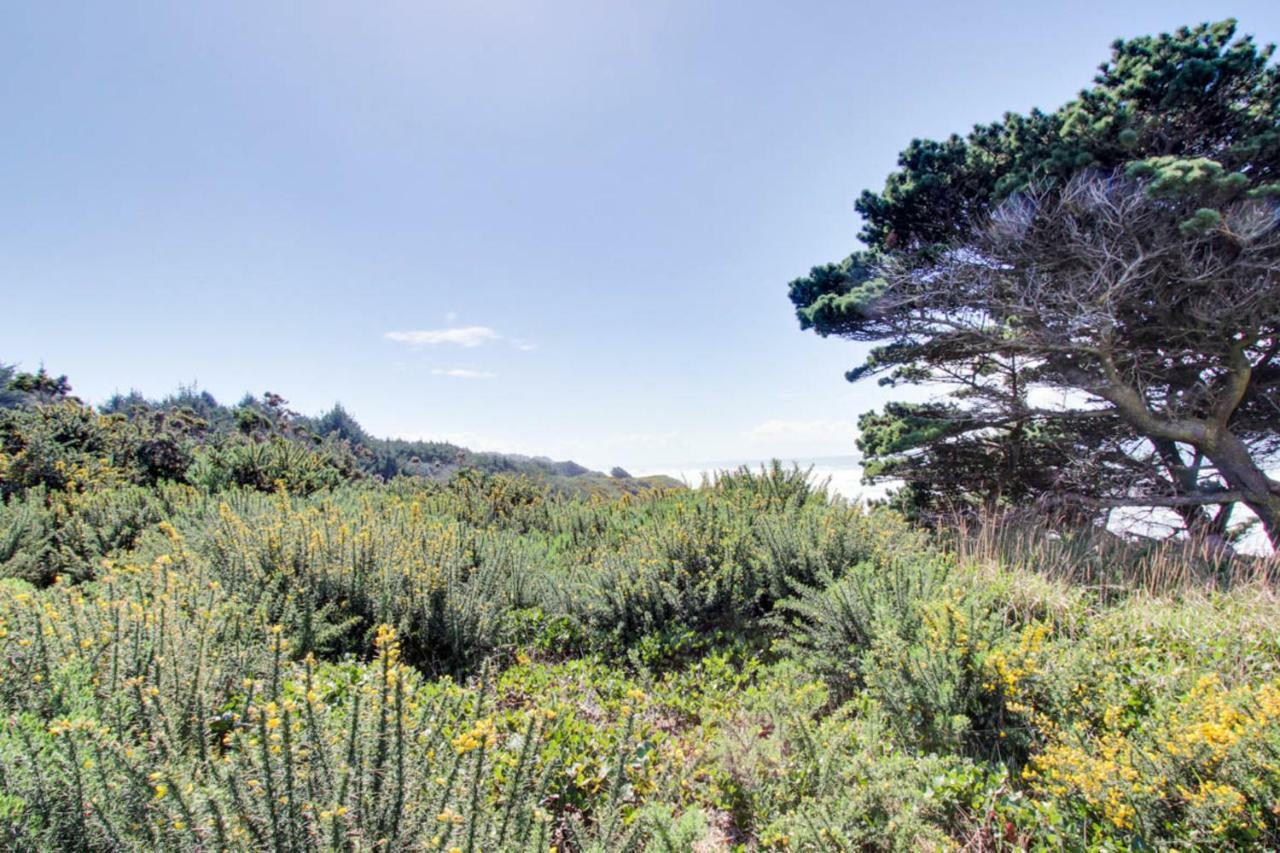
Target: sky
553, 228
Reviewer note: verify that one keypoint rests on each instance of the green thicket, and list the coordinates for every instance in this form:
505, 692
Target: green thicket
259, 440
491, 664
238, 628
49, 437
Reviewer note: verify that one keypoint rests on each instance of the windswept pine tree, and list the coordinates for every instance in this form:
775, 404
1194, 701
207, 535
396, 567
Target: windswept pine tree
1118, 256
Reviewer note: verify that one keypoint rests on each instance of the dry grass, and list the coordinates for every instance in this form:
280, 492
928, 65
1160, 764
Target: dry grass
1110, 564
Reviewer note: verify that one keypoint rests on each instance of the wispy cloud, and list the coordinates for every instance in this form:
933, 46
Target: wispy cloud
462, 373
462, 336
523, 345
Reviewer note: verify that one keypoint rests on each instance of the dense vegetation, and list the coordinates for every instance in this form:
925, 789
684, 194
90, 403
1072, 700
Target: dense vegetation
488, 663
190, 437
1099, 288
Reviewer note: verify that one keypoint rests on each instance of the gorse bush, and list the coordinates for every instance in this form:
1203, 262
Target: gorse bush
46, 534
774, 486
491, 665
150, 710
61, 446
834, 622
64, 445
918, 638
1197, 770
456, 581
449, 587
264, 465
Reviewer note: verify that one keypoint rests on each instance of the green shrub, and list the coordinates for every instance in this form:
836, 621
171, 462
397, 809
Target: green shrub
45, 535
449, 588
157, 713
836, 624
60, 446
271, 463
773, 487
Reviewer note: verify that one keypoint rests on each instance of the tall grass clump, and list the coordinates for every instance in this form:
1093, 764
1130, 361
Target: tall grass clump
1113, 564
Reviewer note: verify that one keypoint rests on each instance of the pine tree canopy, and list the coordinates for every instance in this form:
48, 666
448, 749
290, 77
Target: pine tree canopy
1121, 251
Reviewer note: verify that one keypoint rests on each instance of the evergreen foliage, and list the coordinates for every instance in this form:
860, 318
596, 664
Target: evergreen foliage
1121, 252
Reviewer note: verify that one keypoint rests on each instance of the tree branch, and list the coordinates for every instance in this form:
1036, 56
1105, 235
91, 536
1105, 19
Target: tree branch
1171, 501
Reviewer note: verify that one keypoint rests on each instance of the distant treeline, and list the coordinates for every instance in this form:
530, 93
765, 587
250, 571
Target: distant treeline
47, 434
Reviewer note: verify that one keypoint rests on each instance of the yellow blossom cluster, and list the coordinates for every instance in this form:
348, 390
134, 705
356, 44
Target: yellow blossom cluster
1010, 668
1202, 759
483, 734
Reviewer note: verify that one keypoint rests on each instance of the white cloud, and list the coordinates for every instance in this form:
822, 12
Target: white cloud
462, 373
450, 316
463, 336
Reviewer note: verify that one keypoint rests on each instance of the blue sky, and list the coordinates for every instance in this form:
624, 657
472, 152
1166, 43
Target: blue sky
562, 228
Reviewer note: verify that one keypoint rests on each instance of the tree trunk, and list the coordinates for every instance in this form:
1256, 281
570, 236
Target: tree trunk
1225, 450
1231, 457
1185, 482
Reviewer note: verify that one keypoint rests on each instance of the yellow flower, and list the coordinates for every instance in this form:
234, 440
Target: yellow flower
484, 733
